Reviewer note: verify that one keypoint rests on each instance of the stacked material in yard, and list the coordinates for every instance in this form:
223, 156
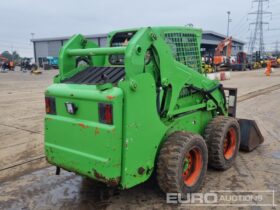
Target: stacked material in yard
219, 76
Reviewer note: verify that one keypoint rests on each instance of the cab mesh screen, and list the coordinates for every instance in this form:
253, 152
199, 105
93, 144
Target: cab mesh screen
185, 49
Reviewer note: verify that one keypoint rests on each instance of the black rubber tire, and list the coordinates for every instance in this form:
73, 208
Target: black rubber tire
171, 162
215, 134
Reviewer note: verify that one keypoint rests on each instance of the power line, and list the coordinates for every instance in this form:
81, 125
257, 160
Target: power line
274, 4
14, 43
274, 34
277, 18
274, 29
275, 14
241, 30
257, 35
241, 27
12, 47
239, 22
19, 45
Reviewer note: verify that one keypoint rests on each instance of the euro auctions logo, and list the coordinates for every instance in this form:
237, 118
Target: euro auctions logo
225, 198
192, 198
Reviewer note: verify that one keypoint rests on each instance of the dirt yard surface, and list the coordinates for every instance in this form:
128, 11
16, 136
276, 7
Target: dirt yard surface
28, 182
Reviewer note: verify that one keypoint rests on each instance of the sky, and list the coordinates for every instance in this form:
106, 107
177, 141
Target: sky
54, 18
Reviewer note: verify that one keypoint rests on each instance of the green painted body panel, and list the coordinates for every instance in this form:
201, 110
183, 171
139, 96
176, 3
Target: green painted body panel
154, 99
143, 130
80, 140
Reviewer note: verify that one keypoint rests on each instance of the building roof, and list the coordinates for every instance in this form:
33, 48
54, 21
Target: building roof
222, 36
204, 41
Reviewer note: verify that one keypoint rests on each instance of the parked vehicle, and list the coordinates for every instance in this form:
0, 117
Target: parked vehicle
48, 63
241, 63
26, 64
142, 105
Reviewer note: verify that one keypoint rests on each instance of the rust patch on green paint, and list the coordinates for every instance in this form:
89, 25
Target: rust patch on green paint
111, 131
109, 181
97, 131
83, 125
117, 165
110, 97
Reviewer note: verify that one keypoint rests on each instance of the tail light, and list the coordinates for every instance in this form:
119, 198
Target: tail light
50, 105
106, 113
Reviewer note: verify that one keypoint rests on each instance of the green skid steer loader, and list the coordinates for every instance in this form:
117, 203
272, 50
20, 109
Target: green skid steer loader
141, 105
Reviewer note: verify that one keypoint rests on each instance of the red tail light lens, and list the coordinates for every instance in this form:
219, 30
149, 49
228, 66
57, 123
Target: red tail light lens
106, 113
50, 105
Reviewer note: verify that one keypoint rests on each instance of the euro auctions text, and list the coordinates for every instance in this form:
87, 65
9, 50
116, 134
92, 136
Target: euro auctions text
225, 198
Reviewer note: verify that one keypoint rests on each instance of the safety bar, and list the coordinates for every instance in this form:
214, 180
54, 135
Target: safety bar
96, 51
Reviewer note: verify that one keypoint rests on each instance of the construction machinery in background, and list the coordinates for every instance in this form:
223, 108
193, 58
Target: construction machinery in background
6, 64
140, 105
207, 64
244, 62
207, 68
222, 62
273, 61
3, 59
256, 61
27, 65
48, 63
241, 63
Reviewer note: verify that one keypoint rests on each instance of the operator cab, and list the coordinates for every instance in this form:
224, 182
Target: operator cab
120, 39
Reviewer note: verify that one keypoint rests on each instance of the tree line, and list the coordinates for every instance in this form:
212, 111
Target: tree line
14, 56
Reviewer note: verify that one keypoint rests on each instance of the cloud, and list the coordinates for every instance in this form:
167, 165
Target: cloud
59, 18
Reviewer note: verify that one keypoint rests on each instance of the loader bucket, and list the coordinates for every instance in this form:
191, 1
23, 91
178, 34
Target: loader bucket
251, 135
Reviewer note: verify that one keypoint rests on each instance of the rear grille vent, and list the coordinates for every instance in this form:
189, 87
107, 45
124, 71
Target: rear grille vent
185, 49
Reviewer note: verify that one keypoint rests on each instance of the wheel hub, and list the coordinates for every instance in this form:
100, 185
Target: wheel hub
230, 144
192, 166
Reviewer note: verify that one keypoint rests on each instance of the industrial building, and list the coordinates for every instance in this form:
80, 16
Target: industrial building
49, 47
211, 39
